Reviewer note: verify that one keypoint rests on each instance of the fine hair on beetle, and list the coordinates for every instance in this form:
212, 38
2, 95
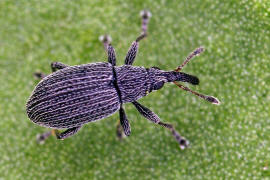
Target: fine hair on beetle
72, 96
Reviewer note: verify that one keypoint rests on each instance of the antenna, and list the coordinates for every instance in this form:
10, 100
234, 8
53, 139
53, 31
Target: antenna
196, 52
210, 99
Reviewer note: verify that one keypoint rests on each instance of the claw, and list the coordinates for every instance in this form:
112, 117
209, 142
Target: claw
105, 39
145, 14
42, 137
183, 144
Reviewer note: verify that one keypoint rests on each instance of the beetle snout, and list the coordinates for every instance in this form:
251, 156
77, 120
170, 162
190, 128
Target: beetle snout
180, 76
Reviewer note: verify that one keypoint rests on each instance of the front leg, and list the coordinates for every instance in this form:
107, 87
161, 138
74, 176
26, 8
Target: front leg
148, 114
54, 66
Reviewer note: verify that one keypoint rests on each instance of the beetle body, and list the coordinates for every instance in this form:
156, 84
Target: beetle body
74, 95
80, 94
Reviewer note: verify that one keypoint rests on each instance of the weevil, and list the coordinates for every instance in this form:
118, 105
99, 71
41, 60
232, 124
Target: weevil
74, 95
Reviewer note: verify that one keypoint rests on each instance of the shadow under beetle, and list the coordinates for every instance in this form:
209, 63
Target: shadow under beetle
74, 95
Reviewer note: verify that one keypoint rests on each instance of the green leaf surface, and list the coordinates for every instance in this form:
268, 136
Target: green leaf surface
230, 141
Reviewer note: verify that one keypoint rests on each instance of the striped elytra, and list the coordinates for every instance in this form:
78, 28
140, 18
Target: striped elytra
79, 94
74, 96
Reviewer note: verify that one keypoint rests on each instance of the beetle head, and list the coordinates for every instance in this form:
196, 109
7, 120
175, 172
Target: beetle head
159, 77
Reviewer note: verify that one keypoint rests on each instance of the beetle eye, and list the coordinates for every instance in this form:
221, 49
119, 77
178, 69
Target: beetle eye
158, 85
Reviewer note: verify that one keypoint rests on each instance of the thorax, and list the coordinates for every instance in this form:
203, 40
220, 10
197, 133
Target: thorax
132, 81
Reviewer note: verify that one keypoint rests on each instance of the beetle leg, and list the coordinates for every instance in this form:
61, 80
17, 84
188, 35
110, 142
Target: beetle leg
148, 114
119, 130
124, 121
111, 55
196, 52
106, 40
67, 133
132, 52
54, 65
122, 124
145, 14
42, 137
57, 65
39, 75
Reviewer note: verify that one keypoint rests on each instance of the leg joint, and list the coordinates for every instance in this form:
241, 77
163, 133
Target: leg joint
142, 36
166, 125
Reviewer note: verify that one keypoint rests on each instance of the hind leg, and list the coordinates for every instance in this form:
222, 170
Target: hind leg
39, 75
67, 133
57, 65
54, 66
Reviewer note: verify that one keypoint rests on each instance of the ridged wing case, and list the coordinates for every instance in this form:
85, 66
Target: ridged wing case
74, 96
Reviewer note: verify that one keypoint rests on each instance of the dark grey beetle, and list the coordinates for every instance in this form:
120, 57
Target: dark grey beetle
74, 95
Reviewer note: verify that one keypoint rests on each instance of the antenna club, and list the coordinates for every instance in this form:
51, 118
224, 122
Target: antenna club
198, 50
213, 100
